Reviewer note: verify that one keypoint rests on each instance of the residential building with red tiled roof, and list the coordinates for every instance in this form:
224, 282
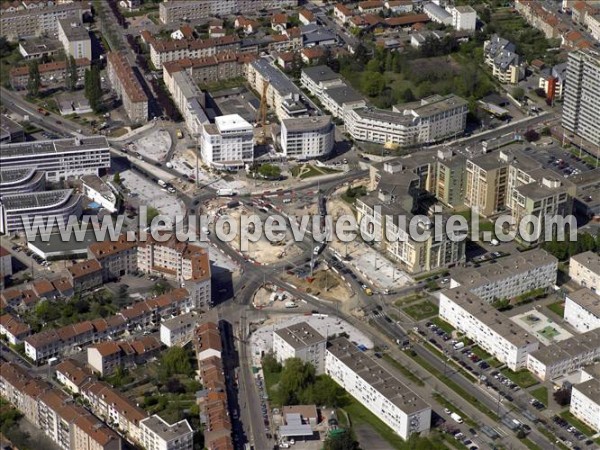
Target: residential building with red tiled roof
106, 357
312, 55
371, 7
342, 13
306, 17
86, 275
117, 258
127, 87
13, 328
49, 73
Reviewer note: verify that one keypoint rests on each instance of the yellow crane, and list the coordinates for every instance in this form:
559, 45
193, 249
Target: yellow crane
261, 114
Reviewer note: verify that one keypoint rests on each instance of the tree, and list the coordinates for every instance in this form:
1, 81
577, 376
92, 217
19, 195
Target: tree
34, 82
93, 87
269, 171
408, 96
122, 298
270, 364
71, 74
518, 93
374, 84
117, 178
340, 441
296, 377
531, 136
328, 392
562, 396
175, 361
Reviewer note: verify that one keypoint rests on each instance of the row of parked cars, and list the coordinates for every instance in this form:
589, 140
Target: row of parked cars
571, 429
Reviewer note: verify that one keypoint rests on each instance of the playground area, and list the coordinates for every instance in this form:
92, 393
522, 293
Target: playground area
542, 327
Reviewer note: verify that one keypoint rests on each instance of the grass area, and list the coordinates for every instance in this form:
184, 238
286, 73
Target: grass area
585, 429
422, 310
455, 387
523, 377
223, 84
443, 325
495, 363
406, 372
557, 308
271, 380
481, 352
552, 438
447, 404
408, 299
307, 170
540, 394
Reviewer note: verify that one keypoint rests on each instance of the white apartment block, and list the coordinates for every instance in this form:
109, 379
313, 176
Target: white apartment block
191, 10
376, 389
585, 403
75, 39
100, 192
38, 18
318, 78
584, 269
582, 310
464, 18
179, 330
487, 327
300, 341
565, 356
228, 143
59, 159
341, 100
307, 137
160, 435
509, 277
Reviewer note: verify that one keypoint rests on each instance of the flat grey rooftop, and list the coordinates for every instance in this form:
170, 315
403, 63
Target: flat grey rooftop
50, 147
74, 30
320, 73
35, 200
569, 348
300, 335
376, 376
307, 123
277, 79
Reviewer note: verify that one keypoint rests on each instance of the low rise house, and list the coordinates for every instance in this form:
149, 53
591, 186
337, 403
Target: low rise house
13, 329
106, 357
584, 269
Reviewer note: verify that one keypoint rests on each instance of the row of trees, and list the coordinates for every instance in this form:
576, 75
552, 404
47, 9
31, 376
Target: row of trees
563, 250
93, 88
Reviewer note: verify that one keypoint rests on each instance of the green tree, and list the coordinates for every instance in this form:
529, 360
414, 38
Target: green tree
340, 441
175, 361
151, 213
270, 364
296, 377
122, 298
160, 288
518, 93
117, 178
34, 82
374, 84
328, 392
269, 171
408, 96
71, 74
93, 87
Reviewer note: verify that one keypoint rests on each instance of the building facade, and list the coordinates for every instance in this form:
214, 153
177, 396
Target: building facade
228, 143
307, 138
127, 87
300, 341
582, 310
75, 39
584, 269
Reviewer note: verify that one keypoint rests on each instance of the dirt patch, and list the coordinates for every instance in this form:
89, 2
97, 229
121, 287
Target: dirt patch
325, 284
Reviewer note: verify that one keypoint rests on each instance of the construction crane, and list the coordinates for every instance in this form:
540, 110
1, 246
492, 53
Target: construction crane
261, 114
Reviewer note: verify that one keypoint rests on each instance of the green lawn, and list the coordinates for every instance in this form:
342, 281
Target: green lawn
407, 300
406, 372
585, 429
271, 380
495, 363
443, 325
557, 308
422, 310
540, 394
481, 352
530, 444
523, 377
306, 171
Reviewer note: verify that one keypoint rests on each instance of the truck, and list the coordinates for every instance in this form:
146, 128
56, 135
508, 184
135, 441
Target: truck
459, 345
225, 192
291, 305
456, 418
161, 183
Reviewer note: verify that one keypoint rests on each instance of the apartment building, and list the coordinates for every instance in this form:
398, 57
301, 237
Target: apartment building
210, 69
85, 275
228, 143
582, 310
20, 181
437, 13
464, 18
10, 131
553, 80
282, 94
21, 211
300, 341
307, 137
67, 424
564, 357
127, 87
539, 17
581, 103
432, 119
509, 277
13, 328
160, 435
117, 258
178, 331
59, 159
188, 98
450, 177
584, 269
23, 19
400, 194
487, 177
100, 192
377, 389
585, 402
75, 39
207, 341
487, 327
499, 54
51, 73
162, 51
400, 6
72, 375
190, 10
318, 78
341, 100
106, 357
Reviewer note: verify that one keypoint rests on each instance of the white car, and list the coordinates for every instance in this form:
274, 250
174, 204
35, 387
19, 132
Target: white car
316, 251
447, 411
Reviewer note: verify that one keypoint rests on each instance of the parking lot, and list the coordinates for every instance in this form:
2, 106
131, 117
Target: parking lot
145, 192
154, 146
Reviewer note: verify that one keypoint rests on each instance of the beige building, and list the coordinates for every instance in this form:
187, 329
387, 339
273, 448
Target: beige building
75, 38
487, 178
499, 55
127, 87
117, 258
584, 269
172, 11
22, 19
